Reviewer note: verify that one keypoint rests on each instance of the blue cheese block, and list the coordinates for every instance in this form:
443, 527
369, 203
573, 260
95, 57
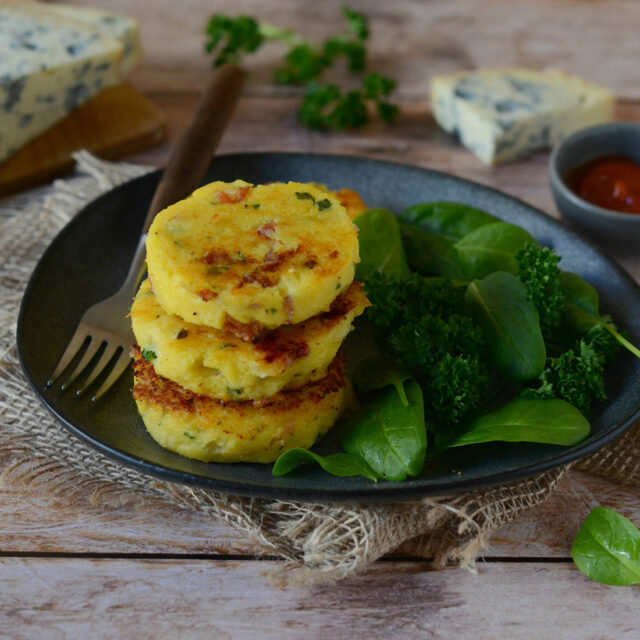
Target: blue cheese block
117, 26
503, 114
49, 66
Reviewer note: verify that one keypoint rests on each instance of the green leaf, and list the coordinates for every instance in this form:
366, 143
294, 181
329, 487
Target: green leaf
326, 107
577, 375
499, 304
381, 247
337, 464
354, 53
579, 292
581, 313
232, 37
526, 420
149, 355
607, 548
305, 195
538, 271
350, 111
490, 248
375, 86
386, 110
377, 372
451, 220
302, 63
391, 438
357, 23
430, 253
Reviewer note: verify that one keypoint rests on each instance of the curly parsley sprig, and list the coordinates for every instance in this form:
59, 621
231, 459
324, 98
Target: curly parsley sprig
577, 375
324, 106
423, 324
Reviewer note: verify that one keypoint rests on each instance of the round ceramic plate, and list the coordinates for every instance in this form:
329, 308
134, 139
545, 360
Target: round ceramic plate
88, 261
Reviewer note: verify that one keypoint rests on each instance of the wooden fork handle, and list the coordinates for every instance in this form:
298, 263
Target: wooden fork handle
193, 151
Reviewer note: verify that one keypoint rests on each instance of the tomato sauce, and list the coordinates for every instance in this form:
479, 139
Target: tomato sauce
612, 182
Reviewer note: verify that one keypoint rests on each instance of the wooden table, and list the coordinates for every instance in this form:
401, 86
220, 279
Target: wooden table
78, 571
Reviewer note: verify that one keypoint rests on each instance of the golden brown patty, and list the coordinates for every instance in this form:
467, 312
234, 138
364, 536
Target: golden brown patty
243, 257
204, 428
351, 201
216, 363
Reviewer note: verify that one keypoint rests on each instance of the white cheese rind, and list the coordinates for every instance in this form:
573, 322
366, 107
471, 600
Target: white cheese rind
49, 66
504, 114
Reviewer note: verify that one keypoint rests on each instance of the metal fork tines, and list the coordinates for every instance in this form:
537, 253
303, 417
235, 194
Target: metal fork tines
103, 336
97, 341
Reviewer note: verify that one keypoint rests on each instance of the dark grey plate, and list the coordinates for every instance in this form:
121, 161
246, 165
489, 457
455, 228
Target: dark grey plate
88, 261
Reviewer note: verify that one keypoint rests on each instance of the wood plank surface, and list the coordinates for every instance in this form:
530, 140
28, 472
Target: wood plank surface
412, 40
33, 522
115, 598
198, 592
269, 124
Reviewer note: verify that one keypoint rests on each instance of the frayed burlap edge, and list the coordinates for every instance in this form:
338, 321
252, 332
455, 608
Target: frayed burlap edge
319, 542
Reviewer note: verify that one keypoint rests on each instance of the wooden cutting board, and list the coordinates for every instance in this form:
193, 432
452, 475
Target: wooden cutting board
118, 121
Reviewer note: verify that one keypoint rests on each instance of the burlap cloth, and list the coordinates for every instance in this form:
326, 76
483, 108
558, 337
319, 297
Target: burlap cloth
320, 542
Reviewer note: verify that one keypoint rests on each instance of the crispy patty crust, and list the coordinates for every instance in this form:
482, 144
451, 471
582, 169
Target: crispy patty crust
351, 201
243, 258
211, 430
216, 363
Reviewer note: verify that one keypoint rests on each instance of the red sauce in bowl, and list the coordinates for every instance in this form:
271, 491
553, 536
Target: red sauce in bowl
612, 182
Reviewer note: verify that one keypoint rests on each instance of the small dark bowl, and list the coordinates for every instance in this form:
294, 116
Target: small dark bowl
617, 231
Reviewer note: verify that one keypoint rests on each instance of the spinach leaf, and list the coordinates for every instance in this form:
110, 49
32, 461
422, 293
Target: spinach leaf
380, 245
525, 420
499, 304
579, 292
490, 248
430, 253
377, 372
337, 464
581, 313
607, 548
450, 220
391, 438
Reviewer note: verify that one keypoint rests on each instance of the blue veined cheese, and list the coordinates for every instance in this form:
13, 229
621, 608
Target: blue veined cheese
117, 26
503, 114
49, 66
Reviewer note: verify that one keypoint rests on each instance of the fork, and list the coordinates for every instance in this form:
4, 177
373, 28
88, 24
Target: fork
104, 327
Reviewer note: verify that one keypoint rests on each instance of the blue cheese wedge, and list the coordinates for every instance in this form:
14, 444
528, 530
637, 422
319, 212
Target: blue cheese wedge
49, 66
504, 114
117, 26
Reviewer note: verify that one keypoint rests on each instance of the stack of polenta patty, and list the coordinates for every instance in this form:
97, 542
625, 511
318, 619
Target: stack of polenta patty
239, 325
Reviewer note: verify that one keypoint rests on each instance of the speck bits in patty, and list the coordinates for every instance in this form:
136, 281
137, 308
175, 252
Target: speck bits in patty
243, 258
211, 430
216, 363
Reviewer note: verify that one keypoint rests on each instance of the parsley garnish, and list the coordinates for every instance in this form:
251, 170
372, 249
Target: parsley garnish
217, 269
148, 355
304, 195
324, 106
232, 37
323, 204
